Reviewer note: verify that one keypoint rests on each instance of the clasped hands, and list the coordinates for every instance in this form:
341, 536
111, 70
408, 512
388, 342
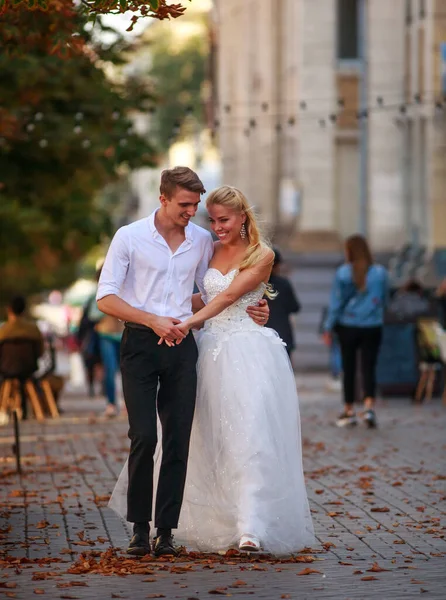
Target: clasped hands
173, 331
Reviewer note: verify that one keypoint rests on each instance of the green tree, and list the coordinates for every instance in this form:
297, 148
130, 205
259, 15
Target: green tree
177, 72
65, 132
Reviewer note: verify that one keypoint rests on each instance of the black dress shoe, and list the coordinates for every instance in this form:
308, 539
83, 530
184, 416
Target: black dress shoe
139, 544
163, 545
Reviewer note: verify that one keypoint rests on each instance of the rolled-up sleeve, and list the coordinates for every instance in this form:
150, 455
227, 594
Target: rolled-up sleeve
115, 266
203, 265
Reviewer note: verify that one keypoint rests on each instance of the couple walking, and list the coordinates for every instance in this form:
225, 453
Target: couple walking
242, 447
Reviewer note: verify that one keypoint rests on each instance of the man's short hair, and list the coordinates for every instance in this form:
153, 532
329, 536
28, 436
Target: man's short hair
182, 177
17, 305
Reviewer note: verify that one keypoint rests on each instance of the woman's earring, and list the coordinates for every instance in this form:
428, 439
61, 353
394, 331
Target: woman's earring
243, 232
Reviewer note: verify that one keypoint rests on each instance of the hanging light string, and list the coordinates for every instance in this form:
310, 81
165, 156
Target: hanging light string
40, 124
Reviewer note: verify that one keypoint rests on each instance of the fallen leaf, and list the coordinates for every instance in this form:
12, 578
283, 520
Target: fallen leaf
8, 584
219, 590
376, 568
369, 578
39, 591
238, 583
328, 545
42, 524
308, 571
381, 509
156, 596
285, 596
304, 559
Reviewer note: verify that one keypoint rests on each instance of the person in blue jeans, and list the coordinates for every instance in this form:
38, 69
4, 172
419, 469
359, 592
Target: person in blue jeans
109, 330
356, 315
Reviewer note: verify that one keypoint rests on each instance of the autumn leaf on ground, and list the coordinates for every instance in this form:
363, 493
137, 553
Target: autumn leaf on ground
39, 591
308, 571
285, 596
328, 545
369, 578
156, 596
376, 568
238, 583
218, 591
305, 559
42, 524
68, 597
8, 584
381, 509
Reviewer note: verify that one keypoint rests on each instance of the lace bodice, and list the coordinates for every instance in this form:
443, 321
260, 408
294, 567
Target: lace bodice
233, 316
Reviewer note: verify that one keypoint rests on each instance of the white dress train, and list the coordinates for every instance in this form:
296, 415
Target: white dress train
245, 471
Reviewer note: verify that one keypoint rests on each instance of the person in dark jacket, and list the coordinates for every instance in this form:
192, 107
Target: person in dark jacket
283, 306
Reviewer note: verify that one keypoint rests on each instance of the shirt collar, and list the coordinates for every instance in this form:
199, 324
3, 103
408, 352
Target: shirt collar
189, 231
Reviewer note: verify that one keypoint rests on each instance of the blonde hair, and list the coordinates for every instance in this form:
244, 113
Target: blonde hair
234, 199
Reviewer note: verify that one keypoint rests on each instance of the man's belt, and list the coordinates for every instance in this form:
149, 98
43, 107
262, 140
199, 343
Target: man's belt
137, 326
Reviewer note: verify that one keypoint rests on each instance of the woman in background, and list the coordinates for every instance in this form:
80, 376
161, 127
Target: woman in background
356, 315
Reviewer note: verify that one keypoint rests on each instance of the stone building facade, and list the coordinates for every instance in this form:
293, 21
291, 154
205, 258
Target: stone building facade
330, 116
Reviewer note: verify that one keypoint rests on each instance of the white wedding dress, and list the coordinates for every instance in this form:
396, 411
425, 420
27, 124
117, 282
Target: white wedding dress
245, 463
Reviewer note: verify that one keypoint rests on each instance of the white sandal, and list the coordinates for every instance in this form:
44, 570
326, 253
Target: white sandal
249, 543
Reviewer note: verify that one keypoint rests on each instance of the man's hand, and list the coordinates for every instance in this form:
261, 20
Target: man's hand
260, 313
166, 328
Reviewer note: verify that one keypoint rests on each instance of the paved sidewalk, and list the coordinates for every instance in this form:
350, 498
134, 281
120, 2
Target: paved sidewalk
378, 502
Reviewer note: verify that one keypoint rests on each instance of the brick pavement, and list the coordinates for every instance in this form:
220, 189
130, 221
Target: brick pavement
376, 496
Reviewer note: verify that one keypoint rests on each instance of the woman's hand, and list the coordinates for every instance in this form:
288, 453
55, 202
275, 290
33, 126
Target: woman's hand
327, 338
184, 328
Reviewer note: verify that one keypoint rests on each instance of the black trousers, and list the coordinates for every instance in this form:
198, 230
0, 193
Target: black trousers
367, 340
164, 380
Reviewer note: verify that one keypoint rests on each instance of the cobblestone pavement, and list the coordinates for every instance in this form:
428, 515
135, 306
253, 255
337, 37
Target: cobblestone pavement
378, 502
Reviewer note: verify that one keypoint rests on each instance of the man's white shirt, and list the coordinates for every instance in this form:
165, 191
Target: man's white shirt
141, 269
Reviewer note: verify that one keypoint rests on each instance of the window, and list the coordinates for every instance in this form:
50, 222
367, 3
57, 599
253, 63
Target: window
348, 30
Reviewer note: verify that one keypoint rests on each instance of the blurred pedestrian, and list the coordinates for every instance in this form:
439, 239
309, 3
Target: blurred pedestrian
356, 314
283, 305
441, 300
88, 341
335, 359
109, 331
19, 327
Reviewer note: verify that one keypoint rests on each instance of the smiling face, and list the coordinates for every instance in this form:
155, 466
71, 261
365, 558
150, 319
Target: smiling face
181, 206
226, 223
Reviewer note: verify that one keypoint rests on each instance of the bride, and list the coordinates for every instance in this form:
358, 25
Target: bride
245, 484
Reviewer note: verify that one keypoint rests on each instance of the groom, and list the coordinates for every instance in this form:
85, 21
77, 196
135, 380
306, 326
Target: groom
147, 281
